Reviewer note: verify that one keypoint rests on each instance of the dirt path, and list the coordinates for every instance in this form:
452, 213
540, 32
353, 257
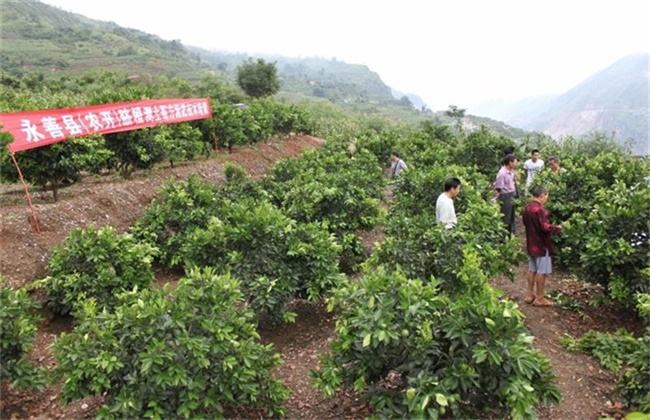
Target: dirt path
109, 200
587, 389
301, 346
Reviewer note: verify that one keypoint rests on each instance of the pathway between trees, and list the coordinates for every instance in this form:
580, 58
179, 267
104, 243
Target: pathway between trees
587, 389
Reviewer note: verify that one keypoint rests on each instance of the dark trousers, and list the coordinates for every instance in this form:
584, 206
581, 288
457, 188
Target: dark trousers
508, 211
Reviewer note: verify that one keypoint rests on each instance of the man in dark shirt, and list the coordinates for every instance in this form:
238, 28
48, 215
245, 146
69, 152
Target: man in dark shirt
539, 245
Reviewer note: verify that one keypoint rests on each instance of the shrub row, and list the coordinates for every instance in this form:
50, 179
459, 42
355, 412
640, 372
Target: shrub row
64, 163
422, 333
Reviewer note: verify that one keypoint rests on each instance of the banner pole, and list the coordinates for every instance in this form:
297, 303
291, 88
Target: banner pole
34, 220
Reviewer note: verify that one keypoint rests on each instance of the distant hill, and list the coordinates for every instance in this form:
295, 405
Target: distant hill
519, 113
415, 100
613, 101
332, 79
36, 36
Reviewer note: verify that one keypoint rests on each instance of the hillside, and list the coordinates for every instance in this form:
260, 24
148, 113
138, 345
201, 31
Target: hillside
613, 101
39, 37
415, 100
36, 36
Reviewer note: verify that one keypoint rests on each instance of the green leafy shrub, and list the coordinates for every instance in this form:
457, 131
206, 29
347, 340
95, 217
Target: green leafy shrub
180, 142
328, 187
18, 322
417, 190
183, 206
573, 190
96, 263
621, 352
422, 248
138, 149
188, 352
612, 350
483, 150
239, 186
229, 125
428, 148
321, 186
179, 207
610, 243
57, 165
635, 381
454, 355
643, 301
275, 257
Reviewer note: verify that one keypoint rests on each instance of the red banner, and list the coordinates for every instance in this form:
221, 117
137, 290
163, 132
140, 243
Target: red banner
32, 129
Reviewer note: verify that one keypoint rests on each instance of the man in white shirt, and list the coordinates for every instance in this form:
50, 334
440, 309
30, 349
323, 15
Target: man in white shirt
532, 167
445, 211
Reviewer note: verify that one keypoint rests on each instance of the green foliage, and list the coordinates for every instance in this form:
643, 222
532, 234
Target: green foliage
643, 301
64, 163
635, 382
180, 142
138, 149
179, 207
183, 353
417, 190
275, 257
96, 263
612, 350
603, 201
452, 354
18, 321
234, 228
422, 248
621, 352
610, 243
258, 78
57, 165
573, 191
484, 150
328, 187
261, 119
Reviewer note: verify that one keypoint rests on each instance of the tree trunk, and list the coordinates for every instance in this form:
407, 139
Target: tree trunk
55, 189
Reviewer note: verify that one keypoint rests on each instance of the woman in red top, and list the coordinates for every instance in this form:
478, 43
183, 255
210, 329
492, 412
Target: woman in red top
539, 245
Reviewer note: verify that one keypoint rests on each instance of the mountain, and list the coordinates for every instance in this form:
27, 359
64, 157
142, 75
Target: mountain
415, 100
613, 101
37, 37
519, 113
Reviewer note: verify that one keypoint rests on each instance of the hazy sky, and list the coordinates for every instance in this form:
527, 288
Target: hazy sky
448, 52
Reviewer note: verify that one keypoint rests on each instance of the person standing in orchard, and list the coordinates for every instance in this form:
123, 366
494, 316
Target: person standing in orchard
554, 164
397, 164
539, 245
506, 188
532, 167
445, 211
